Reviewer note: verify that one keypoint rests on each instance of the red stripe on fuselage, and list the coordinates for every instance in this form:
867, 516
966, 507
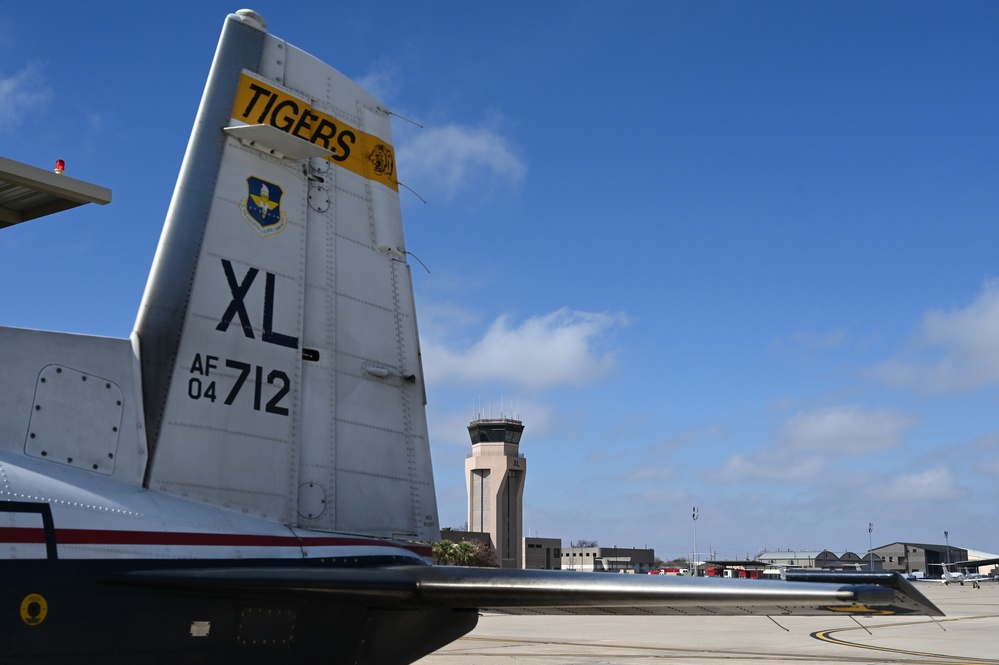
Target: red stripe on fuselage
180, 538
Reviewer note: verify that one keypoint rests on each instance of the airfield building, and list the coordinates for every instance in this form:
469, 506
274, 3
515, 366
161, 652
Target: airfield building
919, 557
543, 553
819, 560
607, 559
494, 474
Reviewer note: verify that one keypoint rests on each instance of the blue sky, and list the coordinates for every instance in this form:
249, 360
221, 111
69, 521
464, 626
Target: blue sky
737, 255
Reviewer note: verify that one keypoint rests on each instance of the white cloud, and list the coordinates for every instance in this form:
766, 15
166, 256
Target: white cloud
555, 349
448, 427
934, 484
768, 464
451, 159
810, 441
21, 94
844, 429
382, 80
962, 345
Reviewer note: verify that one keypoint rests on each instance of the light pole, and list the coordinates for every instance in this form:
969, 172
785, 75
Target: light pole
870, 544
693, 563
947, 538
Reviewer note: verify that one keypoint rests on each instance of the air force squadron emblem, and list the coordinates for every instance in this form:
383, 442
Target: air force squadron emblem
262, 207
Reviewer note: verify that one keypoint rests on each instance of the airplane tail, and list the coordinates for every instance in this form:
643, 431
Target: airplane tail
280, 358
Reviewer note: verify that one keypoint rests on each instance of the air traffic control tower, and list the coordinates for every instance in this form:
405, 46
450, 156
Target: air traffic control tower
494, 473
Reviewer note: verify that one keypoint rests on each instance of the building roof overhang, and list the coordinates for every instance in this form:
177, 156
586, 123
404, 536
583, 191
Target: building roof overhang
28, 192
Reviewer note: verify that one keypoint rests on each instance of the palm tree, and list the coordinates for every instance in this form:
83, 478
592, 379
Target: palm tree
443, 552
464, 553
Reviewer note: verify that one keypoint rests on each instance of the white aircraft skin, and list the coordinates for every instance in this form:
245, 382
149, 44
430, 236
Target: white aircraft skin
950, 575
248, 475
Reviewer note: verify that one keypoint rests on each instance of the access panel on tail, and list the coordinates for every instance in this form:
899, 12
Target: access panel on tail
280, 357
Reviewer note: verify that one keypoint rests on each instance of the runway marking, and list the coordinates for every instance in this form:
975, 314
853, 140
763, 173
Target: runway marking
506, 648
826, 636
502, 646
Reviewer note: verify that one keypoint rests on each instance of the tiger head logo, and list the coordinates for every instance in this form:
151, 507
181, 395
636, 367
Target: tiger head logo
382, 160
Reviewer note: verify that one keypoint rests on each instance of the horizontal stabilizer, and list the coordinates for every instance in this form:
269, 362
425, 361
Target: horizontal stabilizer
559, 592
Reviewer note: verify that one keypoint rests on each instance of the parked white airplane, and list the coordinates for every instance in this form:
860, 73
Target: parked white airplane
960, 577
247, 478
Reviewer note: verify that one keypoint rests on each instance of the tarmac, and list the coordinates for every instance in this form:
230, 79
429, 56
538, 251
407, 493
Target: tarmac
968, 634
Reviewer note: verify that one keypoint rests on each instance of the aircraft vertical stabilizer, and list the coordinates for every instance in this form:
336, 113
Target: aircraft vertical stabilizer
280, 356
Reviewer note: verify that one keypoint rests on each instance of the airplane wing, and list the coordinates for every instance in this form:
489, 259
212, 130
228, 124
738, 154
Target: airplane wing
559, 592
976, 563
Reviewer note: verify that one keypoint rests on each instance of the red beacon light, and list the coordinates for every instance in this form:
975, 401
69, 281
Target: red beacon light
60, 166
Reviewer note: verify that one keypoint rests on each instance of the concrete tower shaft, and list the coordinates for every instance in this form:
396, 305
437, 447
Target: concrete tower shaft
494, 475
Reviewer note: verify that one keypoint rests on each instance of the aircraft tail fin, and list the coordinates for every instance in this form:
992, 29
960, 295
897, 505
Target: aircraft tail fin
280, 356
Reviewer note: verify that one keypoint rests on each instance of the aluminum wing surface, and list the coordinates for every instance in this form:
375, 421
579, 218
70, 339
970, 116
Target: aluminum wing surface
558, 592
